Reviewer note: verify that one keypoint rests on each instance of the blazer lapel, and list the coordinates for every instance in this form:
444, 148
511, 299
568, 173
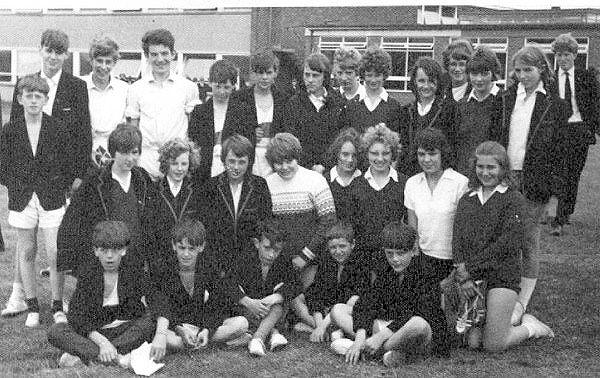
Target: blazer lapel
542, 105
43, 138
247, 189
225, 191
61, 90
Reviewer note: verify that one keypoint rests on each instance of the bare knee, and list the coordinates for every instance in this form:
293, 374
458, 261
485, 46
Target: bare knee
338, 311
239, 324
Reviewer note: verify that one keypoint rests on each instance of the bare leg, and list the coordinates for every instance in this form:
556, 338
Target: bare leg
415, 335
301, 309
26, 251
174, 342
341, 316
230, 329
498, 333
268, 322
57, 279
307, 275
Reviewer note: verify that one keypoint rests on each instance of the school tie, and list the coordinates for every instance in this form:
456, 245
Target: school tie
568, 92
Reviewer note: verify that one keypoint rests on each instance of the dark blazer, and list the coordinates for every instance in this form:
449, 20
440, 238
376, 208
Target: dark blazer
91, 204
280, 98
162, 213
71, 110
201, 130
550, 113
47, 173
587, 95
228, 230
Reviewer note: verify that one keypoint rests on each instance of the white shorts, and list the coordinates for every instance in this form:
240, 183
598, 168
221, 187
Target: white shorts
34, 216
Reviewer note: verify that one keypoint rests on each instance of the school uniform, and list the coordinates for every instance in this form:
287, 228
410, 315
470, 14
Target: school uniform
363, 114
342, 194
400, 296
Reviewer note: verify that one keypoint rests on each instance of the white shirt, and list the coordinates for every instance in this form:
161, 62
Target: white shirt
335, 176
162, 108
318, 102
494, 91
520, 122
219, 114
500, 188
424, 109
392, 174
576, 116
125, 183
459, 92
53, 84
360, 91
33, 132
236, 193
435, 211
174, 187
372, 104
107, 108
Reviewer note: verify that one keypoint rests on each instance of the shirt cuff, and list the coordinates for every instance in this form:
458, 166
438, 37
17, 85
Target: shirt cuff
307, 254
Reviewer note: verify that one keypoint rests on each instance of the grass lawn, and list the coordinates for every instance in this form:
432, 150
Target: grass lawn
566, 298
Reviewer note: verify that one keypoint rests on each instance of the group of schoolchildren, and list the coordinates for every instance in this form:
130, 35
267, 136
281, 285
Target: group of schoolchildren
180, 262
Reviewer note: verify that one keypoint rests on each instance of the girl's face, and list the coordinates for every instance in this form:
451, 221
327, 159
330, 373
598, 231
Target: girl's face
380, 157
481, 82
125, 161
426, 88
430, 160
286, 169
529, 76
458, 71
373, 81
347, 158
488, 171
178, 168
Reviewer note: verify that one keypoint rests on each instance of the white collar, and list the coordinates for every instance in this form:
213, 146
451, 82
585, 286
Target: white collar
540, 88
393, 174
494, 91
175, 187
149, 77
55, 79
334, 175
360, 91
123, 182
90, 82
424, 109
500, 188
383, 95
319, 98
571, 71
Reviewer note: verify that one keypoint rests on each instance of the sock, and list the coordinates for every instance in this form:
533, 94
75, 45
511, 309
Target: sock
32, 305
530, 329
527, 286
57, 306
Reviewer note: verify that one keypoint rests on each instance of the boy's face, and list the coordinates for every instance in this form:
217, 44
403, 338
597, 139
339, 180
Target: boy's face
125, 161
160, 58
340, 249
110, 258
187, 254
565, 60
398, 258
265, 79
222, 91
236, 166
102, 66
267, 251
52, 60
33, 101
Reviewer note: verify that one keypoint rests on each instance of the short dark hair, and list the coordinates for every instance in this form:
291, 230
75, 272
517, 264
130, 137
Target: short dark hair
397, 235
431, 139
171, 151
261, 62
124, 138
110, 234
158, 37
191, 229
271, 230
320, 63
376, 59
56, 40
434, 72
221, 71
484, 60
489, 148
459, 49
239, 145
283, 147
346, 135
32, 83
104, 46
565, 42
340, 230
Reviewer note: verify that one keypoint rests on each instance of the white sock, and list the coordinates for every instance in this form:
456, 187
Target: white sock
530, 328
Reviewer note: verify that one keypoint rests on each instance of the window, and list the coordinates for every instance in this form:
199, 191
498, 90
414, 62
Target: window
5, 66
581, 60
437, 14
196, 66
405, 51
500, 47
328, 45
128, 65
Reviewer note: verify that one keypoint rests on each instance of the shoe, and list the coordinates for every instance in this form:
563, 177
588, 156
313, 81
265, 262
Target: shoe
556, 230
277, 341
538, 328
393, 358
341, 346
256, 348
14, 307
239, 341
67, 360
337, 334
33, 320
474, 310
59, 317
124, 360
303, 327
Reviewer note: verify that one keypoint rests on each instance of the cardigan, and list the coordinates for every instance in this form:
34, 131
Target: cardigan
357, 115
342, 197
47, 173
490, 235
400, 296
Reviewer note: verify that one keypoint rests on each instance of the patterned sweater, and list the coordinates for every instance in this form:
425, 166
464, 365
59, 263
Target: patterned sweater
305, 207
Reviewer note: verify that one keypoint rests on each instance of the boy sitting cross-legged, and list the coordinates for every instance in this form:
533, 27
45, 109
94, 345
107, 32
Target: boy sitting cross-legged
107, 318
402, 309
193, 296
341, 278
267, 282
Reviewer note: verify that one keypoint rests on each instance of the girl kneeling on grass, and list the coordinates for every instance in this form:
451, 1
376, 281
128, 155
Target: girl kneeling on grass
487, 242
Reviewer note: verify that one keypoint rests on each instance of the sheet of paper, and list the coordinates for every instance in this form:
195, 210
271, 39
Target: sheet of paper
141, 362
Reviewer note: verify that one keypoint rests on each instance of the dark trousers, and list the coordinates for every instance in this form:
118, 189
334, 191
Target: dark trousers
125, 338
573, 148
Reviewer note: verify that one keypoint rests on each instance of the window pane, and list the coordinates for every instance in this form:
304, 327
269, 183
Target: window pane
502, 59
581, 61
4, 78
448, 11
331, 39
5, 65
395, 85
128, 65
413, 56
28, 62
398, 63
196, 69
